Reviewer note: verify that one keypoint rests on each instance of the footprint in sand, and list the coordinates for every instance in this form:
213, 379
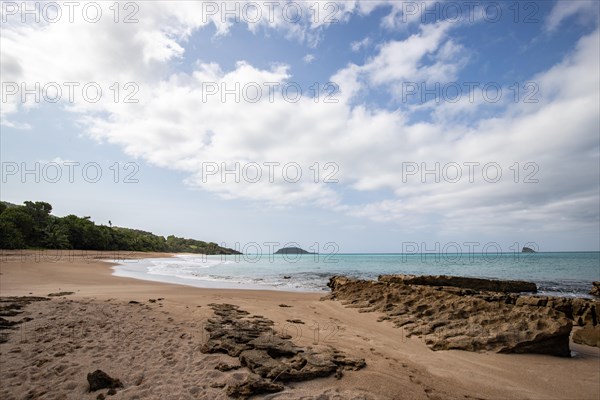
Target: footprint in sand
376, 353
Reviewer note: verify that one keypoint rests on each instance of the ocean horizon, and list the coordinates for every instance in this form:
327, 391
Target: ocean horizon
555, 273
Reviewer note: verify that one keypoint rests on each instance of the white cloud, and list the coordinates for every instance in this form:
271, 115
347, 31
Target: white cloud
585, 10
403, 13
361, 44
14, 124
403, 60
106, 52
426, 56
309, 58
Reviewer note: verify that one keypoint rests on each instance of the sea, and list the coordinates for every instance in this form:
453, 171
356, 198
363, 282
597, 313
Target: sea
556, 274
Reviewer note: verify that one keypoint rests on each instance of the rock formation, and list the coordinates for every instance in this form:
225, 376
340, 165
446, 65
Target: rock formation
273, 359
588, 335
253, 385
462, 282
12, 307
527, 250
100, 380
595, 289
458, 318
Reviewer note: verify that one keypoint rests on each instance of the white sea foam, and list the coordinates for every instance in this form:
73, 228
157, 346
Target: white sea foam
198, 271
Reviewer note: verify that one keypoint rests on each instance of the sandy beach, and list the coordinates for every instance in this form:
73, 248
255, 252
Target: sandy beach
312, 200
150, 335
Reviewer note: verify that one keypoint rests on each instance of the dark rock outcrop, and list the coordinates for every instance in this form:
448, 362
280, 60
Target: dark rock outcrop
226, 367
100, 380
462, 282
11, 307
253, 385
59, 294
271, 357
527, 250
457, 318
595, 289
16, 304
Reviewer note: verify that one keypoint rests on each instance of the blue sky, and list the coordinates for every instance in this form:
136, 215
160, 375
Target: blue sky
370, 140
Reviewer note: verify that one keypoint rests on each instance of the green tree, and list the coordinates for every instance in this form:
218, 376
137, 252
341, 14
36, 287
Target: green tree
40, 213
21, 221
10, 236
56, 236
83, 233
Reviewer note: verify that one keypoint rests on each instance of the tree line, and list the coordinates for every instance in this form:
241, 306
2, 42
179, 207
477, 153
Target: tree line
33, 226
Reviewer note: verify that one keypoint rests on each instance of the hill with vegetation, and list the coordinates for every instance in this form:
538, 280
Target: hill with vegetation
292, 250
33, 226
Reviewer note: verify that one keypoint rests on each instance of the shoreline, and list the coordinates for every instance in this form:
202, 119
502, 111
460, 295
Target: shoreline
397, 365
99, 264
124, 270
216, 272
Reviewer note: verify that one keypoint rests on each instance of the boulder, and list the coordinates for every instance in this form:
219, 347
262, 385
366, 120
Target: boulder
100, 380
595, 289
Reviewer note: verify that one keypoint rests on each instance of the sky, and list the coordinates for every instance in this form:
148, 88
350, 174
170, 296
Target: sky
353, 126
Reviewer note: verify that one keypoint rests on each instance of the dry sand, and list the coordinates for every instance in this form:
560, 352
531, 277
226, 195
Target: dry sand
153, 347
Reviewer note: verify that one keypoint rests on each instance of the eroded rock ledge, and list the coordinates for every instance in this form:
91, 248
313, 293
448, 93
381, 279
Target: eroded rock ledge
462, 318
462, 282
272, 358
582, 311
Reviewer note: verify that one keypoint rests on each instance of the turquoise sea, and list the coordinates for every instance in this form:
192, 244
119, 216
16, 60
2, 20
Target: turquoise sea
561, 274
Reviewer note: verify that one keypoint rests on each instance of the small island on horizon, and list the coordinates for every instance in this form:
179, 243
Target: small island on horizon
292, 250
528, 250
